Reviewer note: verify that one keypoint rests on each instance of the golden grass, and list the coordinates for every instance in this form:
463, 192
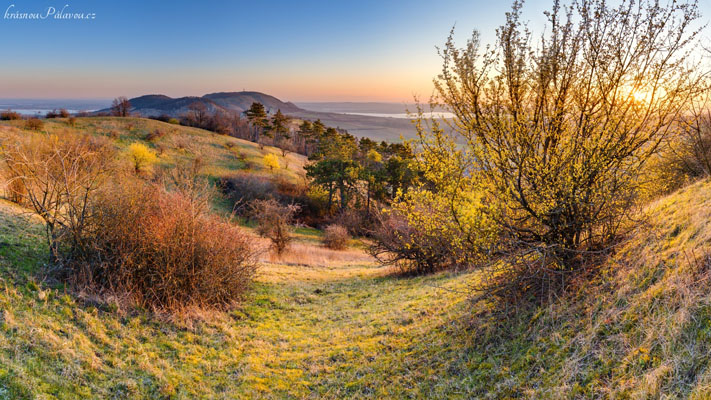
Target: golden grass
311, 254
329, 324
349, 329
179, 142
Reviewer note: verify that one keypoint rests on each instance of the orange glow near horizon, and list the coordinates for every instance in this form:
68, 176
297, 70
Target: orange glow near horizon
344, 85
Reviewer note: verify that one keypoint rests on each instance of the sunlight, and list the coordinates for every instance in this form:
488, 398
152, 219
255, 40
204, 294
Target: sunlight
640, 96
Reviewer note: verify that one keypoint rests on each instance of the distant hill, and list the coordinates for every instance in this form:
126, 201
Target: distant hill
241, 101
153, 105
377, 128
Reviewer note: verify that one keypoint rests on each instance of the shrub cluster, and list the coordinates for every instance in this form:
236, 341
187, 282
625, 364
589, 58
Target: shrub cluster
335, 237
274, 222
163, 248
9, 115
420, 235
62, 113
155, 135
34, 124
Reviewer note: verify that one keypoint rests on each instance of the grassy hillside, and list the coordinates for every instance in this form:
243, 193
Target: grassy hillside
222, 155
325, 324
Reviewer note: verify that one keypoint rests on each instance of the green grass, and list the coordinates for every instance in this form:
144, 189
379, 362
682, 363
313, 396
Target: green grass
639, 329
222, 156
318, 332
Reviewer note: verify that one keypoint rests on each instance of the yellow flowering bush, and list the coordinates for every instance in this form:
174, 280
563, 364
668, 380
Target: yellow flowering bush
141, 156
271, 161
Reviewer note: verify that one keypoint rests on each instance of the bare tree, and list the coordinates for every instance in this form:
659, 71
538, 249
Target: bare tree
274, 222
121, 107
197, 114
56, 178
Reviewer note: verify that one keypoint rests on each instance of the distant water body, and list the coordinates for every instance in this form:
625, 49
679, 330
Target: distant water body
370, 109
42, 106
446, 115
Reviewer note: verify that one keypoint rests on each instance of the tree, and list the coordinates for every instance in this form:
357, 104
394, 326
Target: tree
198, 115
559, 128
56, 178
280, 131
121, 107
257, 116
274, 222
305, 132
335, 167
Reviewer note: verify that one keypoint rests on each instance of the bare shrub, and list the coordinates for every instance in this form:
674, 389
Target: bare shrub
354, 221
34, 124
163, 248
335, 237
274, 222
182, 143
56, 177
412, 250
9, 115
155, 135
62, 113
689, 152
71, 121
246, 188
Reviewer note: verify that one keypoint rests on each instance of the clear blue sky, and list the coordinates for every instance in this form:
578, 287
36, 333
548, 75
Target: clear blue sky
338, 50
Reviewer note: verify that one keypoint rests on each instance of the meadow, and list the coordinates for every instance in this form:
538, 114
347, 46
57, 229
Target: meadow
320, 323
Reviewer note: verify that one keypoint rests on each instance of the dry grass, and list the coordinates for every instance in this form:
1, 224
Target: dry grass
340, 327
307, 254
330, 324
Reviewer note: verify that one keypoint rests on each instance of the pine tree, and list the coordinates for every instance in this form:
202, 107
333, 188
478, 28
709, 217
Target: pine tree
257, 116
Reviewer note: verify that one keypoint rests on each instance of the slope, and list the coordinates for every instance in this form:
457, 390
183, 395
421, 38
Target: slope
641, 328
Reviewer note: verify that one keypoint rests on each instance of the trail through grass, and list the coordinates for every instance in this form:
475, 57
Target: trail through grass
342, 330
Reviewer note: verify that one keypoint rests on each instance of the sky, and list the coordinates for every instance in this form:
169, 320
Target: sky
337, 50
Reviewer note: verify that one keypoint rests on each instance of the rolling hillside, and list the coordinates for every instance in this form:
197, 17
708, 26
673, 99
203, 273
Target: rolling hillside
340, 326
222, 155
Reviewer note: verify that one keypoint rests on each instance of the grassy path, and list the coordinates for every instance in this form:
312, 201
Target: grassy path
341, 330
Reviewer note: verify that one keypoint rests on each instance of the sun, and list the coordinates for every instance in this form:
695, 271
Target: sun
640, 97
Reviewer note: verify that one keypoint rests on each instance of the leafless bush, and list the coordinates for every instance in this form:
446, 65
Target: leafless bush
62, 113
9, 115
155, 135
691, 150
56, 177
246, 188
274, 222
335, 237
354, 221
34, 124
412, 250
71, 121
163, 248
